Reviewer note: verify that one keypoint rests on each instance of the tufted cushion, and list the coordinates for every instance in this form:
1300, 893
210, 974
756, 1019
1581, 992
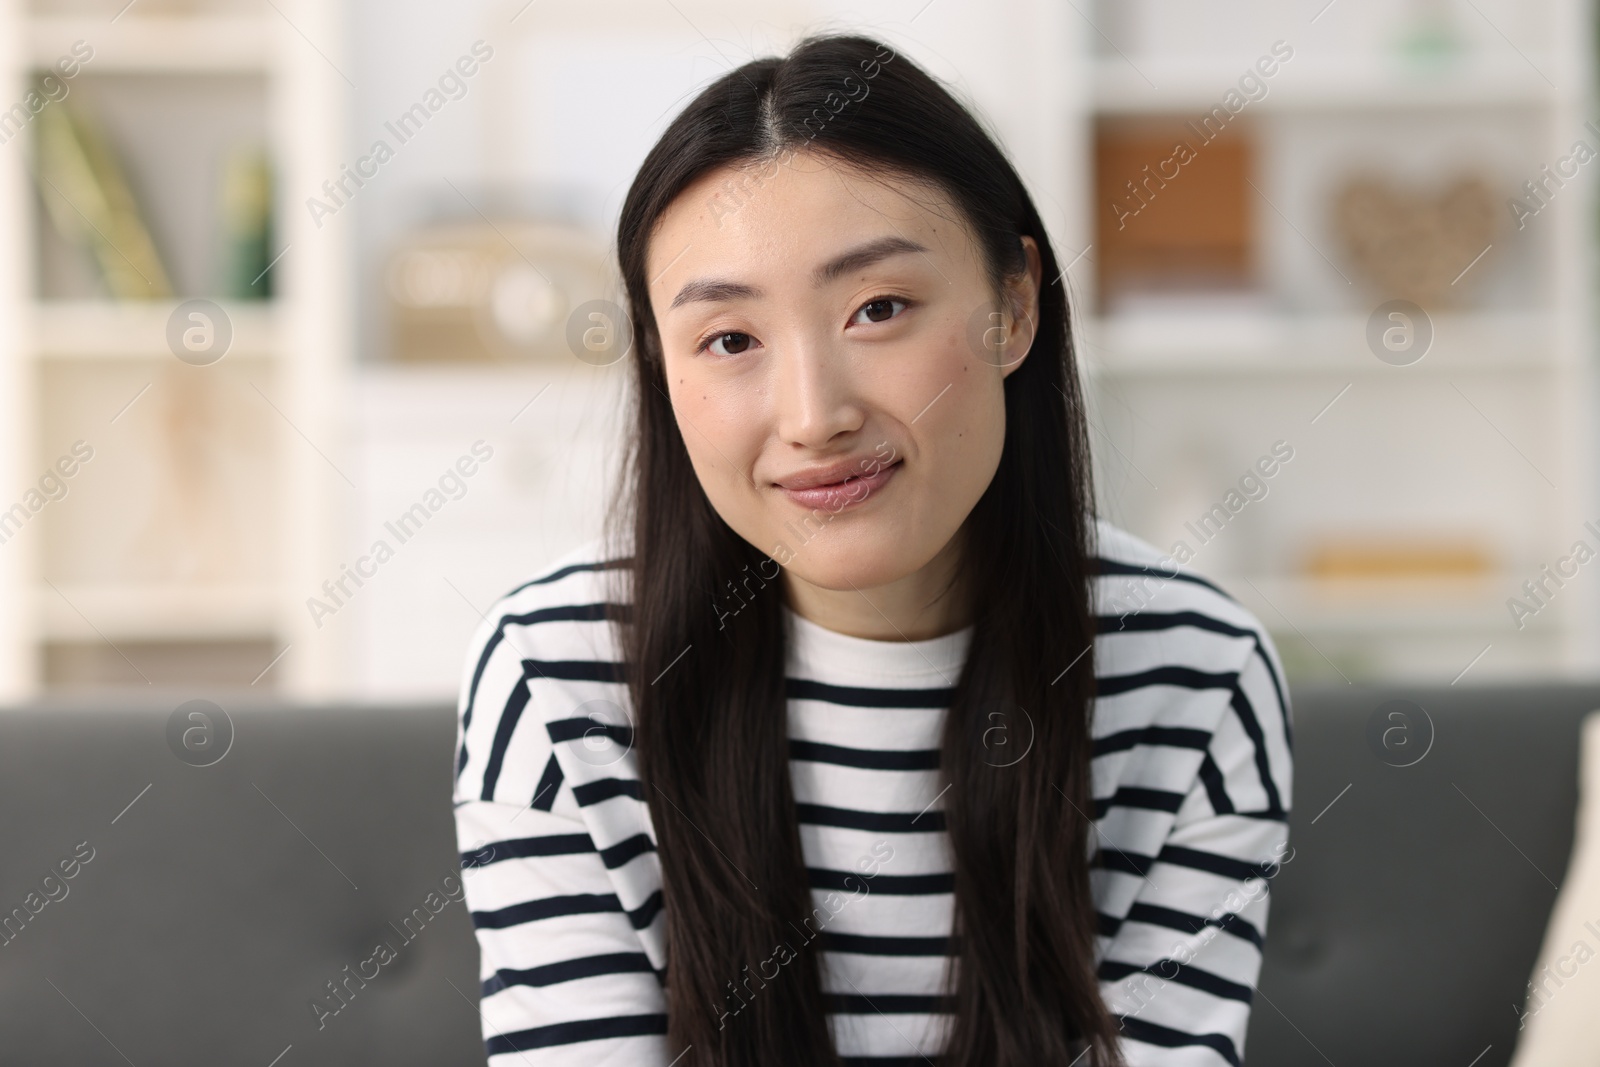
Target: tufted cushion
206, 920
1405, 926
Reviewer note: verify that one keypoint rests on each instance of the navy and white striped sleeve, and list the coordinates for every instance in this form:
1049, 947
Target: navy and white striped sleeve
1181, 970
564, 978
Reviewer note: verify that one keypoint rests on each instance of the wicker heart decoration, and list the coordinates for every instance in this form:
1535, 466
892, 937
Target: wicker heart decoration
1415, 246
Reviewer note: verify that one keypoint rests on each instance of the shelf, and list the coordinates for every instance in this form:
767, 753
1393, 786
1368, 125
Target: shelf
1223, 343
1169, 367
1160, 86
157, 45
97, 329
176, 89
156, 613
1384, 606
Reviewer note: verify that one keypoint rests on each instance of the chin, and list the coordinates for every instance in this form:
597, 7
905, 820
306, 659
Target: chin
845, 559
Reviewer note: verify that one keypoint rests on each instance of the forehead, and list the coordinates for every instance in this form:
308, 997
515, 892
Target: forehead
786, 216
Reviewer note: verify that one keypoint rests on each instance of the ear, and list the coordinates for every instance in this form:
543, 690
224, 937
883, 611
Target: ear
1022, 296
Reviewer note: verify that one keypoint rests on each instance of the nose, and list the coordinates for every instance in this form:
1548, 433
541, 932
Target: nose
815, 396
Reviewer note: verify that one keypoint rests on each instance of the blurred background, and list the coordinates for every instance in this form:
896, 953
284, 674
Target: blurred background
310, 349
298, 302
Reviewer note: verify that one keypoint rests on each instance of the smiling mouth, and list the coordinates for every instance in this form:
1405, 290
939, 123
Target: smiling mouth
845, 493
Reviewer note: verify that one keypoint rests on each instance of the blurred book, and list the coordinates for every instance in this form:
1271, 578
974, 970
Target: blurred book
1370, 559
1172, 210
87, 195
246, 224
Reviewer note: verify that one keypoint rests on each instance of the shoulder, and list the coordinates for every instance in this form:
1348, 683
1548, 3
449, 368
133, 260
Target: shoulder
585, 574
554, 626
1174, 647
559, 611
1141, 590
1131, 574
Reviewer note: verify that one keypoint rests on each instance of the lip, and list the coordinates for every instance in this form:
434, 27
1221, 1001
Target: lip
837, 486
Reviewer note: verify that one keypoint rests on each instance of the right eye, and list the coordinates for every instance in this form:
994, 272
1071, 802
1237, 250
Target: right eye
743, 340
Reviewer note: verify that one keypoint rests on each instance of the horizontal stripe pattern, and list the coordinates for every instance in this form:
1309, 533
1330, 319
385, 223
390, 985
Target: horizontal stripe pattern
1191, 776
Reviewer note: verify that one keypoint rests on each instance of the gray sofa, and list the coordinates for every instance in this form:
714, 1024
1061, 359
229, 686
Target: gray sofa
1404, 929
220, 901
217, 907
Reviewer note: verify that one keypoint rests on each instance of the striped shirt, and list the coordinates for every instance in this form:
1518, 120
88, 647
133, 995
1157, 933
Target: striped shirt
1191, 783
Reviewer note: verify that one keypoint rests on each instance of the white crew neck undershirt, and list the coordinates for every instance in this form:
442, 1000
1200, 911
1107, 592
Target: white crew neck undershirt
817, 651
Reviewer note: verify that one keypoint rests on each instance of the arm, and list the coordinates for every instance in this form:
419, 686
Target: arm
565, 979
1181, 970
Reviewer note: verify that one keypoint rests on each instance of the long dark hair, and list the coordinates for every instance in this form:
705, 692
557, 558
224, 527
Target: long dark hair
711, 731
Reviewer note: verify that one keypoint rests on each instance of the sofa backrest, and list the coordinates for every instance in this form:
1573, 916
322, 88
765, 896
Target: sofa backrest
217, 902
1404, 928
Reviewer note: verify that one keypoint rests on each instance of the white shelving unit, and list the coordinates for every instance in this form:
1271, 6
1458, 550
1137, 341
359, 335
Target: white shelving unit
1322, 84
1311, 345
284, 376
1491, 434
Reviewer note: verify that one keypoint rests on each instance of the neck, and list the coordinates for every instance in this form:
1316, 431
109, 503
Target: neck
930, 602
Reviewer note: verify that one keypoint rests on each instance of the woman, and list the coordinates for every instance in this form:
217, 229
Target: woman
820, 759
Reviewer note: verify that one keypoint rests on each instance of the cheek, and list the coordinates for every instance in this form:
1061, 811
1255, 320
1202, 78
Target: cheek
919, 382
967, 420
961, 436
965, 440
722, 430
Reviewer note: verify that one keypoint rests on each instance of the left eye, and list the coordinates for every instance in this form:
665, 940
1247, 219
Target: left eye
881, 309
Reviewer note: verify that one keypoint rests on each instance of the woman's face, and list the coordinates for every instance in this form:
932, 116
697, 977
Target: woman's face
822, 336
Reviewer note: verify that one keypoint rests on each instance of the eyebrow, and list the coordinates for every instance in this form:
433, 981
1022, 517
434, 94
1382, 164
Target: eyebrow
863, 255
